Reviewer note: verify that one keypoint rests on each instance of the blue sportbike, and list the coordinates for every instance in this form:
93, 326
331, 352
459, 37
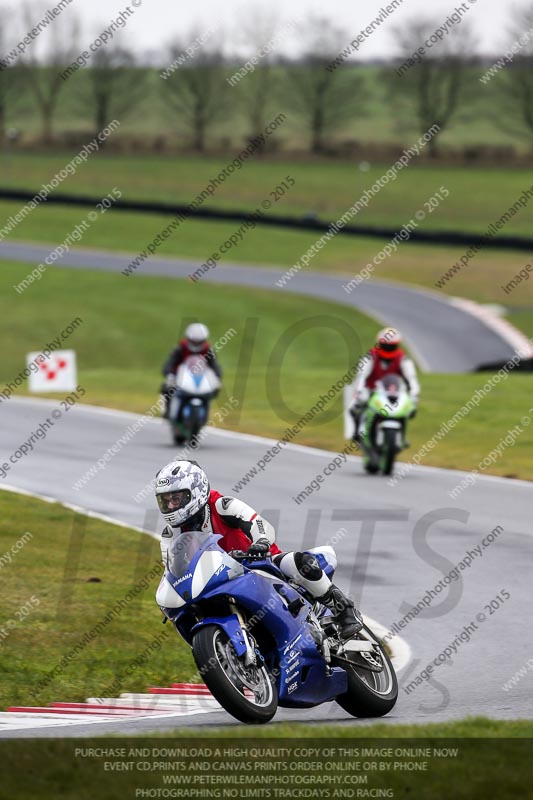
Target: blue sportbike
261, 642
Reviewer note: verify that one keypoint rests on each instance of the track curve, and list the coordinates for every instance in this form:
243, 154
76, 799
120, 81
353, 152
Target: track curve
443, 337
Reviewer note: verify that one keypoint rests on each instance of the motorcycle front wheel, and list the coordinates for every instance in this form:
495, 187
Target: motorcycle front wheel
371, 692
179, 439
195, 423
390, 452
246, 692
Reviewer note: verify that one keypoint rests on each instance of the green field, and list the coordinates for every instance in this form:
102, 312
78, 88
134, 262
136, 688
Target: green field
121, 346
325, 188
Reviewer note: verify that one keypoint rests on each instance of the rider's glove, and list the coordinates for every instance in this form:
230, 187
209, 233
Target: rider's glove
359, 401
238, 554
170, 380
259, 549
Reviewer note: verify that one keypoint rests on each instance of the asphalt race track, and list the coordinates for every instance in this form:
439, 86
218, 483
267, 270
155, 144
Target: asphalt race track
403, 540
442, 337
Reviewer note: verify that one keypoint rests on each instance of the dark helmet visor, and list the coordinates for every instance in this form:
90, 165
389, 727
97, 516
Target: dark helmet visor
388, 347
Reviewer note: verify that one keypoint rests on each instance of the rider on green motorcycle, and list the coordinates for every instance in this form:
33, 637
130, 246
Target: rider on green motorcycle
386, 358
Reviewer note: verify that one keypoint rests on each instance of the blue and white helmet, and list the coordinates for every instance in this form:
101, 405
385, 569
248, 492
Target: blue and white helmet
182, 491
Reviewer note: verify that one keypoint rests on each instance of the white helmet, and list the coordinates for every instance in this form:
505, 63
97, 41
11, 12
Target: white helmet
388, 342
196, 335
182, 491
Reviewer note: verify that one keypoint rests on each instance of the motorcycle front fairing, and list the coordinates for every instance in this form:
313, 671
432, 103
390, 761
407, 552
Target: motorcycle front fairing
388, 409
195, 379
194, 561
391, 399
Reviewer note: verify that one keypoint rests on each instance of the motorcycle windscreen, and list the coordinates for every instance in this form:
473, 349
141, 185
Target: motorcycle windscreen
392, 385
185, 547
197, 557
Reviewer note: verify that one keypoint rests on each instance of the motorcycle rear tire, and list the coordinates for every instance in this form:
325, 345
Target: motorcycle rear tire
361, 700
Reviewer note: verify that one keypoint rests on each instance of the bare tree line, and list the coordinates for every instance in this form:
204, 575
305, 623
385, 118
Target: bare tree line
441, 88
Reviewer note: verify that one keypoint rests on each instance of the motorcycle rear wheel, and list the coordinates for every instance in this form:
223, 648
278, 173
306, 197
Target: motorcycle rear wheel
247, 693
370, 694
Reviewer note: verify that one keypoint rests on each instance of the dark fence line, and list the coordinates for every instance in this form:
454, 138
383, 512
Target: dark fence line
306, 223
525, 365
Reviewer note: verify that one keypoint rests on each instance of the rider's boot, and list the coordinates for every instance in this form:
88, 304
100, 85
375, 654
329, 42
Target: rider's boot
347, 617
356, 416
166, 399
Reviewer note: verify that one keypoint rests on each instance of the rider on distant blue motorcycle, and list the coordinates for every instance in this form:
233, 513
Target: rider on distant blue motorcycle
196, 342
187, 503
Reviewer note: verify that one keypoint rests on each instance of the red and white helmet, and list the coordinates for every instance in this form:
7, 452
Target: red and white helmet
182, 491
388, 342
196, 335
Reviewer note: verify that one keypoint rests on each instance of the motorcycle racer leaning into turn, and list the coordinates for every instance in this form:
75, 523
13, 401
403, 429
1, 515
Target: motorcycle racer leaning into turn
188, 503
386, 358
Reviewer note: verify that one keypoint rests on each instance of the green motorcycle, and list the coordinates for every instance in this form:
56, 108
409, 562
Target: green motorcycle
384, 424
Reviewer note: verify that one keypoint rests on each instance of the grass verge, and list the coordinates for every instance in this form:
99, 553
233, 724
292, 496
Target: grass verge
93, 586
471, 728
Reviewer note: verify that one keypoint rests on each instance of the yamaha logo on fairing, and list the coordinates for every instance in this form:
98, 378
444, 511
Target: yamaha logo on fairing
292, 644
186, 577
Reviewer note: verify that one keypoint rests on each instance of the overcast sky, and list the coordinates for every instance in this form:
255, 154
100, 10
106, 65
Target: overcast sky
156, 21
